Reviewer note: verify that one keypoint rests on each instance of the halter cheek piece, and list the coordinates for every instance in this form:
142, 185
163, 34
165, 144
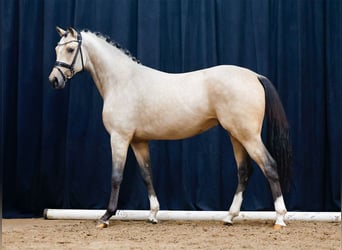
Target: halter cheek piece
71, 66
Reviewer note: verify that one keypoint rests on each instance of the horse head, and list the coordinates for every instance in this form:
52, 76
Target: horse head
69, 57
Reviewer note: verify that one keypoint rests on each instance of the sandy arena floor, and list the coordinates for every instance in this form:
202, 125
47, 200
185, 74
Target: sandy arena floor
82, 234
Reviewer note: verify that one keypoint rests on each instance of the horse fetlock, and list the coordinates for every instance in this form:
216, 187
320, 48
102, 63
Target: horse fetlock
234, 213
230, 217
234, 209
152, 218
154, 204
280, 211
279, 224
280, 217
109, 213
279, 205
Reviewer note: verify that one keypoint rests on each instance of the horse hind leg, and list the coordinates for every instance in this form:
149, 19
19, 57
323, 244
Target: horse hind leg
244, 172
258, 152
142, 155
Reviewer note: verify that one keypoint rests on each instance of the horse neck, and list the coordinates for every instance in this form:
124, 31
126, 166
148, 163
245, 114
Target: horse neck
108, 66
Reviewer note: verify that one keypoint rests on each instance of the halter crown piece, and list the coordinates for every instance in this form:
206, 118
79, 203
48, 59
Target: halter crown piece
71, 66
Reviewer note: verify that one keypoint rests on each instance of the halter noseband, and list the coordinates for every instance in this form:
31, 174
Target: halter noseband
71, 66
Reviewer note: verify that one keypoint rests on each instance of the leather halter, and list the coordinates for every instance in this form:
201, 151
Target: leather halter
71, 66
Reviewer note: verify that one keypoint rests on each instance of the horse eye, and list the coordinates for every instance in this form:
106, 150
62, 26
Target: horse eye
70, 50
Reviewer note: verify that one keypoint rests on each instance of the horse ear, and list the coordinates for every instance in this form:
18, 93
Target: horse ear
72, 31
60, 31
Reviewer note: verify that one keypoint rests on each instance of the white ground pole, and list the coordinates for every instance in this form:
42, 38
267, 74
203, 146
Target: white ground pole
84, 214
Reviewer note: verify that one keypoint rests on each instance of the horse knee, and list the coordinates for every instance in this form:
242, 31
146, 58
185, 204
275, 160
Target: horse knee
116, 178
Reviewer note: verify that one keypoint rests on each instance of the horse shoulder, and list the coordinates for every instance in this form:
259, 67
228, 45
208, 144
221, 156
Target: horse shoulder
117, 115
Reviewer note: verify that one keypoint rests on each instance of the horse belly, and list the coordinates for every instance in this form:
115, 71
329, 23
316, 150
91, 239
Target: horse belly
170, 129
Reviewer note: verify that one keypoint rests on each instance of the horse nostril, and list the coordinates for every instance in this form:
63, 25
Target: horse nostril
55, 82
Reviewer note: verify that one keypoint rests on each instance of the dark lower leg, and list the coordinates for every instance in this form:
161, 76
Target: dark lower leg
273, 179
146, 173
262, 157
142, 154
119, 145
244, 172
113, 201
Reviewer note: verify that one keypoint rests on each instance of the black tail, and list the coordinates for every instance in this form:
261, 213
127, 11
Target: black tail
278, 137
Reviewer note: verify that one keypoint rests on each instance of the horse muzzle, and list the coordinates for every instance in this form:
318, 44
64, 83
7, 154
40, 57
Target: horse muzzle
56, 82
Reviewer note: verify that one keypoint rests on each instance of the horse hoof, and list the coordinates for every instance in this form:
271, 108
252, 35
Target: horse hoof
102, 225
228, 223
153, 221
228, 220
277, 227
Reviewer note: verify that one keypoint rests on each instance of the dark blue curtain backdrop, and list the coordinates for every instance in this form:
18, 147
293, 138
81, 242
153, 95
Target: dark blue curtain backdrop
55, 152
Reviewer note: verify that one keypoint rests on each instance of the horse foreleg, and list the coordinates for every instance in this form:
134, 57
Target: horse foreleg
142, 154
119, 153
244, 172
